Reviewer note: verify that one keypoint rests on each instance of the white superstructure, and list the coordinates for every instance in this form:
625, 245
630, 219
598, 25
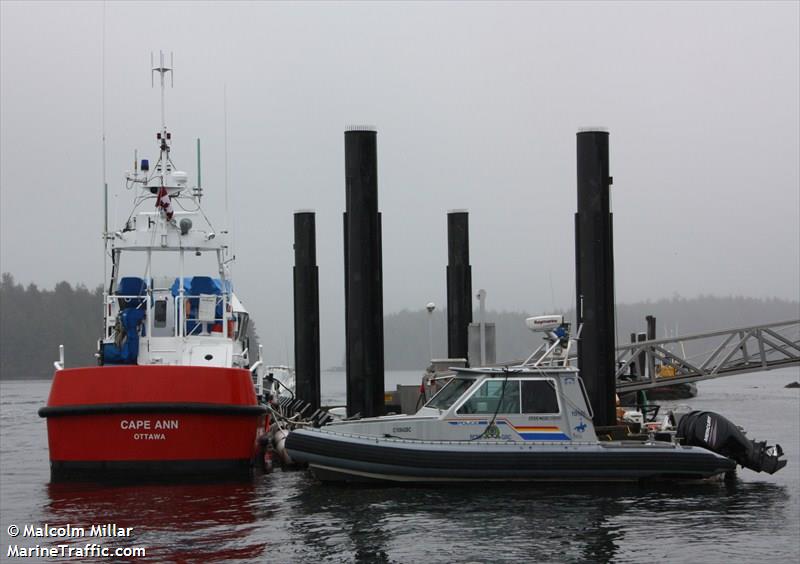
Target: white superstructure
161, 307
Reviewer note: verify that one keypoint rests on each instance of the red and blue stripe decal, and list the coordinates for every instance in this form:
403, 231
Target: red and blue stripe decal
541, 433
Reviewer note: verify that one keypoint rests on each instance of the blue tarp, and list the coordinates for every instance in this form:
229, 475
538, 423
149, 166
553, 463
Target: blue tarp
193, 287
131, 286
203, 285
175, 288
129, 351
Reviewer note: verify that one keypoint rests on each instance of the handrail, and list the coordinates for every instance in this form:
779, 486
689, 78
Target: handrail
227, 316
733, 351
59, 364
696, 336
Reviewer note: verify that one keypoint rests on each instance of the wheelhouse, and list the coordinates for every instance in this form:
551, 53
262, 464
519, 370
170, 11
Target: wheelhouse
183, 319
490, 393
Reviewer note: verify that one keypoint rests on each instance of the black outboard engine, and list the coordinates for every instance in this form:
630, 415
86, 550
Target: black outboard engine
712, 431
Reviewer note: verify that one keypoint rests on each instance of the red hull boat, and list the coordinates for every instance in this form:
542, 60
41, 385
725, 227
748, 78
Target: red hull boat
173, 393
162, 420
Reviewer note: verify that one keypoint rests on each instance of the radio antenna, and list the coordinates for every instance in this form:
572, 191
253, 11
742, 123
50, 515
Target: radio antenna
198, 191
228, 225
162, 70
103, 143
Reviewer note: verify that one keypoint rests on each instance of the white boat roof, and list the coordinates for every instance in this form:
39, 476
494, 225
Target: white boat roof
512, 371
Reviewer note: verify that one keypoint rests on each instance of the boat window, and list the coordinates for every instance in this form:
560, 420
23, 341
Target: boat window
160, 313
539, 396
492, 393
447, 396
241, 327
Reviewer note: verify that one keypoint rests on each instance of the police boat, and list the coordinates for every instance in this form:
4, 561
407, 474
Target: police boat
530, 422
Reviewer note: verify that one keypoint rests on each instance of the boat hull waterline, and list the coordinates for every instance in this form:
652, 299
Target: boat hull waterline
152, 420
353, 458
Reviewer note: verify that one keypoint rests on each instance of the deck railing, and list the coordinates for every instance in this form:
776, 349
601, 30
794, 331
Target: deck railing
664, 362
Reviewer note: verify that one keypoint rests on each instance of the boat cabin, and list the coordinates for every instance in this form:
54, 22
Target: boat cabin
156, 321
519, 404
178, 319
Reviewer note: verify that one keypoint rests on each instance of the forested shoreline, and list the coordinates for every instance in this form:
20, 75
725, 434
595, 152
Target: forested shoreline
34, 322
406, 332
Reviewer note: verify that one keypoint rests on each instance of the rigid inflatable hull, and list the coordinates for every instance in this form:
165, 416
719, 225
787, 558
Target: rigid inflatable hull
151, 421
351, 458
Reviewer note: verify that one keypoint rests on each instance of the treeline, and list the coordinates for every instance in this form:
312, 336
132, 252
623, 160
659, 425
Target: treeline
33, 322
406, 332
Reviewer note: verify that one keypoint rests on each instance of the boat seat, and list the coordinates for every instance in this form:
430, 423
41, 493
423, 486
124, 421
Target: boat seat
201, 285
129, 289
176, 286
204, 285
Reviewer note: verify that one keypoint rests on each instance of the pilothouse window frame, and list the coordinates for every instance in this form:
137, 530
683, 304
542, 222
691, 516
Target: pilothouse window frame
556, 394
503, 392
469, 379
470, 393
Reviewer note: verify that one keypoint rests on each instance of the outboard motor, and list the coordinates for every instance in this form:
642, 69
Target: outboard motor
712, 431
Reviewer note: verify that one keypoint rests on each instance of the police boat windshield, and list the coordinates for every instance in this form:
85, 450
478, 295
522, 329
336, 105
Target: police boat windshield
448, 395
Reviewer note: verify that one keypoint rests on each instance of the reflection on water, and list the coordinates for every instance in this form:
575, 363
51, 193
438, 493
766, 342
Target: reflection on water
519, 523
191, 522
289, 517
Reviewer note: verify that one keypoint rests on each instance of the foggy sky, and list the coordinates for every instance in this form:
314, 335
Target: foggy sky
476, 107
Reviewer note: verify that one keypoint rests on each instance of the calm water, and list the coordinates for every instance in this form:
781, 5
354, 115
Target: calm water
287, 517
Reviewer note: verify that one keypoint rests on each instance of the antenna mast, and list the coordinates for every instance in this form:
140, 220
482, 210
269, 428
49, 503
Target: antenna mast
103, 127
228, 226
162, 70
198, 191
163, 166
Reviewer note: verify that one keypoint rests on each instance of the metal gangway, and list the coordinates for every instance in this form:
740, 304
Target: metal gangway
664, 362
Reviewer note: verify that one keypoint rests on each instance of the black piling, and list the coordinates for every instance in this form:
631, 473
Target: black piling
651, 327
644, 370
651, 336
642, 359
459, 285
363, 276
594, 275
306, 310
632, 364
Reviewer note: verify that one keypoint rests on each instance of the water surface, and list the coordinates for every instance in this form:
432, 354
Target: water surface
288, 517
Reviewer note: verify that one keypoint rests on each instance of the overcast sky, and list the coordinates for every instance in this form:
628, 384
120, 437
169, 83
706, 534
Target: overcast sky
476, 106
